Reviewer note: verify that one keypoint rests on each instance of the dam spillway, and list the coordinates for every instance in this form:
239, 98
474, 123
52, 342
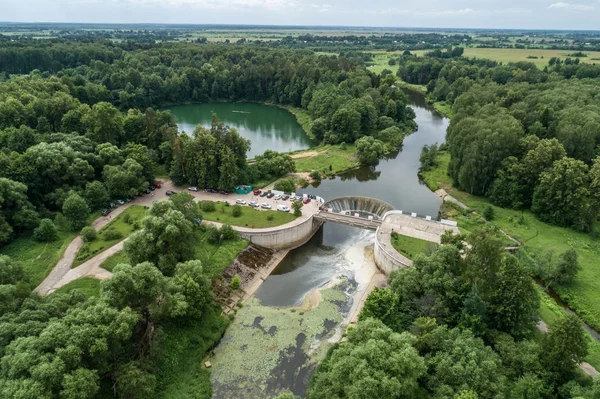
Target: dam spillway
364, 206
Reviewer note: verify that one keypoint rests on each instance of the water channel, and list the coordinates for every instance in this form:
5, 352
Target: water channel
394, 180
279, 336
267, 127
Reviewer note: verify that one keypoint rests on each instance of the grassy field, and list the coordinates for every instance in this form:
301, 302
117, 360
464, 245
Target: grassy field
583, 294
550, 311
381, 62
506, 55
443, 108
89, 250
216, 258
110, 263
181, 373
332, 159
87, 285
411, 247
250, 217
39, 258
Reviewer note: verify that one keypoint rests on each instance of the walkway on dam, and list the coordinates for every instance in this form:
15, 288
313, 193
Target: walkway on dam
348, 220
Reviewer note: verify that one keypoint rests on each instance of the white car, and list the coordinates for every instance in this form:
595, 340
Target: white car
192, 188
240, 202
278, 197
283, 208
253, 204
264, 205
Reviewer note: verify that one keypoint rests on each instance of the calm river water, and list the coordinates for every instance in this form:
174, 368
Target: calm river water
329, 253
267, 127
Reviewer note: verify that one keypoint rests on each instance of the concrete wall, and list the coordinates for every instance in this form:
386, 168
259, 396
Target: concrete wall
386, 261
284, 237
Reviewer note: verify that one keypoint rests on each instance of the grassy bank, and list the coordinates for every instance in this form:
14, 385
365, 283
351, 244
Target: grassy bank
110, 263
550, 311
444, 108
38, 258
331, 159
124, 224
411, 247
302, 117
583, 294
250, 217
87, 285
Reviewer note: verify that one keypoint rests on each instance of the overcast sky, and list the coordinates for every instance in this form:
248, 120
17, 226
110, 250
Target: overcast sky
531, 14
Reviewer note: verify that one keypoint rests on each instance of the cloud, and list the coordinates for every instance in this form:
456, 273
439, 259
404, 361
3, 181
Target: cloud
571, 6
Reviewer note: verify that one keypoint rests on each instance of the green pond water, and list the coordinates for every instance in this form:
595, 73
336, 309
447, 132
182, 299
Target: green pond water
267, 127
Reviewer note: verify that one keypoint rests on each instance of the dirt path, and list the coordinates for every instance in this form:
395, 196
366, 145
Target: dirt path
587, 368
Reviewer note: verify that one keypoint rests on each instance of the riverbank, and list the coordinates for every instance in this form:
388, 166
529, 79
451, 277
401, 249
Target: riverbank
536, 237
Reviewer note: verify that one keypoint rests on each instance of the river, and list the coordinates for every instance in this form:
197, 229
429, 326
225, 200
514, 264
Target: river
278, 337
394, 180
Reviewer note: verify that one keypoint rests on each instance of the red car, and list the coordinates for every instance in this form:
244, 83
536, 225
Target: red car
157, 185
306, 200
256, 192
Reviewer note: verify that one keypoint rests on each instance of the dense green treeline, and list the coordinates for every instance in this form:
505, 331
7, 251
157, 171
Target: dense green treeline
82, 123
70, 346
457, 327
528, 138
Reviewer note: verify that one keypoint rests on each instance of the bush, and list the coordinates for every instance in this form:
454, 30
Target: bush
228, 233
236, 211
270, 217
208, 206
236, 281
46, 231
88, 233
285, 185
112, 234
213, 235
488, 213
315, 175
135, 225
127, 218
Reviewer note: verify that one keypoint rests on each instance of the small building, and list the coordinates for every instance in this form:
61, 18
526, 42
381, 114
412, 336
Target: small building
242, 189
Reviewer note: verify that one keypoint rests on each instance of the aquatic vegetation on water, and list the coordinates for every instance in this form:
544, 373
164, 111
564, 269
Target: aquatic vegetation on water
266, 349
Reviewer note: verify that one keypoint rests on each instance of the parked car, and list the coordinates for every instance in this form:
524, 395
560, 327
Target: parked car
278, 197
298, 198
285, 197
270, 195
253, 204
113, 205
264, 194
127, 199
192, 188
306, 200
240, 202
151, 188
223, 192
283, 208
169, 193
106, 211
264, 205
256, 192
157, 185
147, 191
197, 220
120, 202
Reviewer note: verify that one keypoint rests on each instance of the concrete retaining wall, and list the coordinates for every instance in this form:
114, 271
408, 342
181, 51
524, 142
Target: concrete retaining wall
284, 237
387, 262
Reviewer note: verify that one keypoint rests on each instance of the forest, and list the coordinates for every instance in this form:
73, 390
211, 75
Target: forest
84, 121
81, 125
522, 136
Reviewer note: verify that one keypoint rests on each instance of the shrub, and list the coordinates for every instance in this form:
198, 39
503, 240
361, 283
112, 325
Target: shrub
135, 225
236, 211
88, 233
127, 218
285, 185
213, 235
236, 281
270, 217
228, 233
112, 234
46, 231
207, 206
315, 175
488, 213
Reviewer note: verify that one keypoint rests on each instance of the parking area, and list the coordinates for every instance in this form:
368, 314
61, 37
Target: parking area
160, 194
